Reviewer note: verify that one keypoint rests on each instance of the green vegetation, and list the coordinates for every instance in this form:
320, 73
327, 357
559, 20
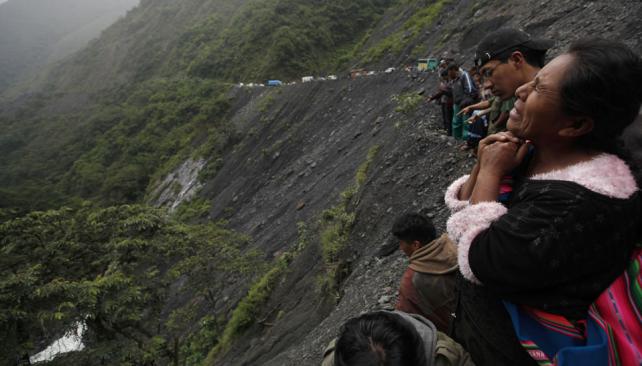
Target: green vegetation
121, 149
393, 44
193, 209
360, 177
151, 92
294, 38
155, 40
160, 122
421, 19
108, 125
266, 103
248, 309
475, 6
407, 103
195, 348
444, 38
264, 106
335, 224
111, 268
303, 236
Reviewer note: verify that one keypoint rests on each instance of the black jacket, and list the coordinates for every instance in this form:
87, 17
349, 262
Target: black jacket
464, 90
556, 249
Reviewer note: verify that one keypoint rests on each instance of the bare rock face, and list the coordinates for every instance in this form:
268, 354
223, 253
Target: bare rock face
179, 186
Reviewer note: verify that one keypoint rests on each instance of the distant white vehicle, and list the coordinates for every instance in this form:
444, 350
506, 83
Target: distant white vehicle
371, 73
332, 77
321, 78
307, 79
390, 70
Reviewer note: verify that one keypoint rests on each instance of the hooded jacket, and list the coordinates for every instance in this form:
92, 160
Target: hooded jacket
428, 286
440, 350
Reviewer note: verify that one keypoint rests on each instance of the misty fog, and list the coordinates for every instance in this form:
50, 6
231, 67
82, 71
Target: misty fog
34, 33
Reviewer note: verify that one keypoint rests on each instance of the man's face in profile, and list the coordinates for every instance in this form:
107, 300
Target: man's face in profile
497, 78
408, 248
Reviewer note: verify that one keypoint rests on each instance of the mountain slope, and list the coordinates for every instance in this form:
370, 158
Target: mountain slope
34, 33
318, 136
312, 173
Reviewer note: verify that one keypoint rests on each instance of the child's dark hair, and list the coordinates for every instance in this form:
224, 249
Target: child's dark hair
379, 338
414, 226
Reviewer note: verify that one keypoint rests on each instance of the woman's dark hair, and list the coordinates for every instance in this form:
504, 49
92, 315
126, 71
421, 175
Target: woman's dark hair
414, 226
604, 83
379, 339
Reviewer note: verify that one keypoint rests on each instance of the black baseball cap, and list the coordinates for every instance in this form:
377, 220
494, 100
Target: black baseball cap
504, 39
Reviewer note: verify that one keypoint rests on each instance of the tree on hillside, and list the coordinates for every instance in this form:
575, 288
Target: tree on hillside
115, 270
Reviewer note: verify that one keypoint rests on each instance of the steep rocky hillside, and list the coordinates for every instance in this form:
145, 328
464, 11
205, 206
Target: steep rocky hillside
305, 152
306, 146
314, 173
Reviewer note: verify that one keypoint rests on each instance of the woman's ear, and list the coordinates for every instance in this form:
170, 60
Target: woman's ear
579, 126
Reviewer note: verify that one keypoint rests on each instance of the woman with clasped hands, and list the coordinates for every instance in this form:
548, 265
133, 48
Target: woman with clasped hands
551, 211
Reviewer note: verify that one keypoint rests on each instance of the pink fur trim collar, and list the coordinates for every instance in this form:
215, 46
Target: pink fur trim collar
605, 174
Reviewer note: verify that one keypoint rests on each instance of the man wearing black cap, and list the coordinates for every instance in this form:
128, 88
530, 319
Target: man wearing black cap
509, 58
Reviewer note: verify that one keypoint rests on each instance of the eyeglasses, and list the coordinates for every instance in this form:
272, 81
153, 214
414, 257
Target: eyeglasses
488, 72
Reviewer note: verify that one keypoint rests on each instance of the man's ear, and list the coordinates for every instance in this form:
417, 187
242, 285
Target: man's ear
579, 126
517, 58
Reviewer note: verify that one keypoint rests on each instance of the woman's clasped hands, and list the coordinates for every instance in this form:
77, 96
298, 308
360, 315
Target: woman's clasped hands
500, 153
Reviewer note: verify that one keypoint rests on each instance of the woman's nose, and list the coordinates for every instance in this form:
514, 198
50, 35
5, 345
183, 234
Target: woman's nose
523, 91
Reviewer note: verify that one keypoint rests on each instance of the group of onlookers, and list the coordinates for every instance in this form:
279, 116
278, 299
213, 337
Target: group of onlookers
540, 262
475, 103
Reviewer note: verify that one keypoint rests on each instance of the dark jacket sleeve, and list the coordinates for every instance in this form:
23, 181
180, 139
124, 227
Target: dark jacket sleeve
438, 94
550, 238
